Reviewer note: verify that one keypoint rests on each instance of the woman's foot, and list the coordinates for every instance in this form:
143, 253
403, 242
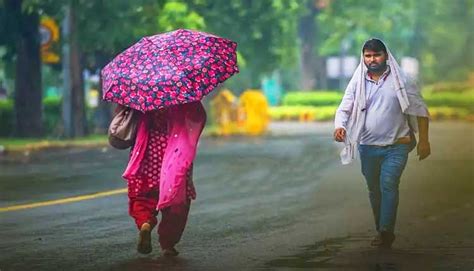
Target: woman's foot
144, 239
170, 252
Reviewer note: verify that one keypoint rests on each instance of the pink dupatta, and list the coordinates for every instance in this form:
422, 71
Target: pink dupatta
185, 126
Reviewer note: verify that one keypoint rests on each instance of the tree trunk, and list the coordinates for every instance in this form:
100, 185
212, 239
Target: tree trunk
77, 83
321, 74
307, 31
103, 114
74, 114
28, 91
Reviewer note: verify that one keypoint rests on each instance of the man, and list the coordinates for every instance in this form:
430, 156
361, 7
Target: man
379, 113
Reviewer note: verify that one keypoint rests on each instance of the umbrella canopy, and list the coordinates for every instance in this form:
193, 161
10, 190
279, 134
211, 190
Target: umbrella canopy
168, 69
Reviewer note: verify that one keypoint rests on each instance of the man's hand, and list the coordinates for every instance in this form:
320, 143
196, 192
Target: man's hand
340, 134
423, 150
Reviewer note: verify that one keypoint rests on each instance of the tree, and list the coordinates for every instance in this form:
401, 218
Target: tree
19, 35
312, 65
444, 41
74, 114
420, 28
265, 31
21, 39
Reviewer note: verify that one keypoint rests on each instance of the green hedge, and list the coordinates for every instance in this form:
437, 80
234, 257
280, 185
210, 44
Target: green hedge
313, 98
326, 113
302, 113
463, 99
452, 113
450, 99
449, 87
6, 117
51, 116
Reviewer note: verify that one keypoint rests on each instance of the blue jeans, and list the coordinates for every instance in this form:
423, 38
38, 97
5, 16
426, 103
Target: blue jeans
382, 167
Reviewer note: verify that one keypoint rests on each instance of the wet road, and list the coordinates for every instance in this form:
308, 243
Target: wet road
251, 193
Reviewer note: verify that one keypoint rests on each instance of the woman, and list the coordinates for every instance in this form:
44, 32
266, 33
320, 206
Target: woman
159, 173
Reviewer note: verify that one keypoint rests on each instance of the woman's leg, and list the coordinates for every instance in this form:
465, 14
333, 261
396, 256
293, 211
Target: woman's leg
142, 207
173, 222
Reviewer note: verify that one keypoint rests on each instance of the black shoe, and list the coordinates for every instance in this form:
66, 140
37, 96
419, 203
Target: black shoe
387, 239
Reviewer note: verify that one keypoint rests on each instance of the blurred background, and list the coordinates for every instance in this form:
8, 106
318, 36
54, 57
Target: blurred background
271, 191
296, 54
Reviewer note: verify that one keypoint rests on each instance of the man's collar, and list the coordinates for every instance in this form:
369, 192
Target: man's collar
383, 77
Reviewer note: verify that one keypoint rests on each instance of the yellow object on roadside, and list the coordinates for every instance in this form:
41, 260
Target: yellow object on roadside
253, 112
224, 112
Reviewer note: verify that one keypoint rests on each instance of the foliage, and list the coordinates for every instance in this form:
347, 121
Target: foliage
11, 22
456, 99
108, 27
264, 30
52, 116
28, 144
176, 14
313, 98
349, 19
125, 22
449, 87
302, 113
418, 28
327, 113
451, 113
6, 117
450, 99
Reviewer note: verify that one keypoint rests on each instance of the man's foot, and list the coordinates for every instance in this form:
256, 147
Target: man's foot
170, 252
387, 239
144, 239
377, 241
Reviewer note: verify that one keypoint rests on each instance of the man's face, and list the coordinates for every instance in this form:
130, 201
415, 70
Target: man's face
375, 61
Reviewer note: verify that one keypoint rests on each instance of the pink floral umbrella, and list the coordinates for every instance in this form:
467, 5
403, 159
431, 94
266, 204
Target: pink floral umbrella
172, 68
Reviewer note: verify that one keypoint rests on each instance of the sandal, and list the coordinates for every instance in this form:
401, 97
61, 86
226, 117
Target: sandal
170, 252
144, 239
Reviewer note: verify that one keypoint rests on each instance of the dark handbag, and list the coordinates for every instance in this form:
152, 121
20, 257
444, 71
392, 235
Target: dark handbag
123, 128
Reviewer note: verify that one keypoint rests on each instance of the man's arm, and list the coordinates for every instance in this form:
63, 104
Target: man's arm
343, 113
423, 148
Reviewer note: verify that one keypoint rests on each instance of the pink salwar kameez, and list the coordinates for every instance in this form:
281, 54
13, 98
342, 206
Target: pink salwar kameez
159, 172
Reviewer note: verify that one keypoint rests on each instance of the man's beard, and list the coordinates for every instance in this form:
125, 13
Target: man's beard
377, 68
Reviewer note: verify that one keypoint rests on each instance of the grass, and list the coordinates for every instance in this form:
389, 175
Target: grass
32, 144
23, 144
326, 113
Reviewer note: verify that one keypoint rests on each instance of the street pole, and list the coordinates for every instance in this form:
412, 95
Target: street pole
67, 99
